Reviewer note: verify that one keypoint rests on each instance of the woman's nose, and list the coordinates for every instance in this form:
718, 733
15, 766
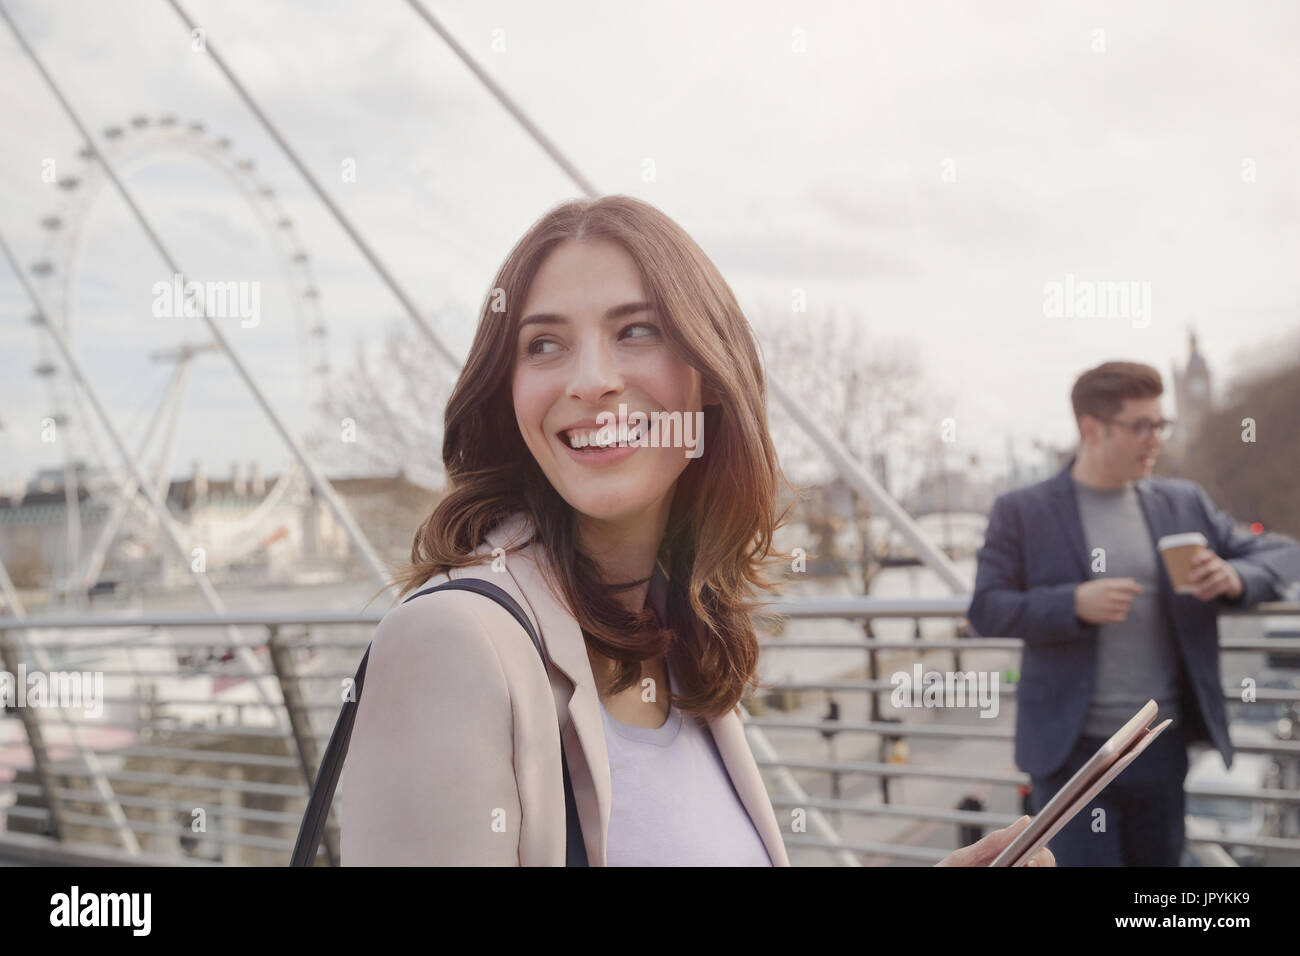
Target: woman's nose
595, 375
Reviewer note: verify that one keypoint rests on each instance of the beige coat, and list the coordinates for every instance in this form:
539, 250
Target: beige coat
455, 755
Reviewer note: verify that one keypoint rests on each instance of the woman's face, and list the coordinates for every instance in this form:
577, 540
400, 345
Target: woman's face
589, 341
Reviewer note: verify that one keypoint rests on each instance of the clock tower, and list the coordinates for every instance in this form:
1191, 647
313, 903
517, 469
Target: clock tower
1191, 393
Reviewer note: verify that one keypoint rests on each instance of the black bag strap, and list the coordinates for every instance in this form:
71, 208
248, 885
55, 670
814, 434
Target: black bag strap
327, 779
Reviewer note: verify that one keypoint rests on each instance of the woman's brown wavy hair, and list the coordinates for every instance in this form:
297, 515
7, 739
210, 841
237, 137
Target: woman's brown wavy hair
717, 548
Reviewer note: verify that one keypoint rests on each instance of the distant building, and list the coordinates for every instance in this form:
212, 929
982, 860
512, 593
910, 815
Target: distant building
1192, 395
243, 528
949, 490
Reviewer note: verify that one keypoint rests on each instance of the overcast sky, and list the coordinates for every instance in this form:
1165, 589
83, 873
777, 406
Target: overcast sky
926, 166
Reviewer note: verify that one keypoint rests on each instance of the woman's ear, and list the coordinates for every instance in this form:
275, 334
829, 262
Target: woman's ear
709, 397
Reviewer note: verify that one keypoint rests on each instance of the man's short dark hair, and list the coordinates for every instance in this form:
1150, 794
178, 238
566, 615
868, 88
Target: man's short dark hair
1101, 391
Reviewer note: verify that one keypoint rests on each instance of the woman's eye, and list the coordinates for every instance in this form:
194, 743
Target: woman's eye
534, 347
651, 329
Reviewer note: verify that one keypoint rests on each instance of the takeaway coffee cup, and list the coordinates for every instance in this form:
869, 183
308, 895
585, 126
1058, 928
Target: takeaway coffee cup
1178, 550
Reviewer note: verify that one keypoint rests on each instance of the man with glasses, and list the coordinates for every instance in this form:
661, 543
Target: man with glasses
1070, 567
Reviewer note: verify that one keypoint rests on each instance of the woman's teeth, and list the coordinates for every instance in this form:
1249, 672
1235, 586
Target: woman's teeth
592, 439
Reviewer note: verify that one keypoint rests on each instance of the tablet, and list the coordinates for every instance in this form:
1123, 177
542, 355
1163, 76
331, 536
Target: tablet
1102, 767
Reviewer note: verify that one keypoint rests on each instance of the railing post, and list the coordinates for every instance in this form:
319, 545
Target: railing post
300, 723
872, 670
873, 675
833, 714
232, 853
36, 741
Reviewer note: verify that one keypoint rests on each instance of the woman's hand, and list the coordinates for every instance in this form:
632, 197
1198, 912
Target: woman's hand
986, 850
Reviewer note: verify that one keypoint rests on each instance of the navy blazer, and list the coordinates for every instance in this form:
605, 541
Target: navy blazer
1033, 558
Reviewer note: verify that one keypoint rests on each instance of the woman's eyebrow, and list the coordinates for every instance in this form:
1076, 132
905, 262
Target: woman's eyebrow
617, 312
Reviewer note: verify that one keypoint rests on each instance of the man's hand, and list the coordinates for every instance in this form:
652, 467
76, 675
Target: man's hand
986, 850
1105, 600
1214, 577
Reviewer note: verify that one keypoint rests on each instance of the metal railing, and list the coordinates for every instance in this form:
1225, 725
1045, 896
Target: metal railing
224, 759
884, 729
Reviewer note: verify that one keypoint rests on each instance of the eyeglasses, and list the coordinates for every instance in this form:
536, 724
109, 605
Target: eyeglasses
1145, 427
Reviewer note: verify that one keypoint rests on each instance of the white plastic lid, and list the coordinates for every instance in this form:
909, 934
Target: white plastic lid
1180, 540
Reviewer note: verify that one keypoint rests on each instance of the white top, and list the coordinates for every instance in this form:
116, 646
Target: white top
673, 803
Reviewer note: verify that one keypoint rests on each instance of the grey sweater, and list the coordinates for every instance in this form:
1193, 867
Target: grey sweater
1137, 660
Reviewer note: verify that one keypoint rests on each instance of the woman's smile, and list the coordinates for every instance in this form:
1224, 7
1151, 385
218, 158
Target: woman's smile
594, 456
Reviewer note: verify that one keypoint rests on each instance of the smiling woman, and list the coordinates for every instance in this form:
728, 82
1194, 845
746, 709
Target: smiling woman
639, 564
608, 303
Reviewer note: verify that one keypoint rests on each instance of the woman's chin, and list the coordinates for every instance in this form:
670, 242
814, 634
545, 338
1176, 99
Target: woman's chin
602, 512
607, 509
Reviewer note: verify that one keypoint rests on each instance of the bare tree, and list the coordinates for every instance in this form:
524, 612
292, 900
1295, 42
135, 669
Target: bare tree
1245, 451
386, 415
868, 394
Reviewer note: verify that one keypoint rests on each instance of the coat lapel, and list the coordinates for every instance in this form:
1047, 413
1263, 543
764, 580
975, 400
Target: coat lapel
572, 684
577, 702
729, 735
1155, 508
1066, 508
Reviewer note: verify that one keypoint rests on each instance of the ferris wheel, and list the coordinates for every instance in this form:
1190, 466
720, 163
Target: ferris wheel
132, 146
